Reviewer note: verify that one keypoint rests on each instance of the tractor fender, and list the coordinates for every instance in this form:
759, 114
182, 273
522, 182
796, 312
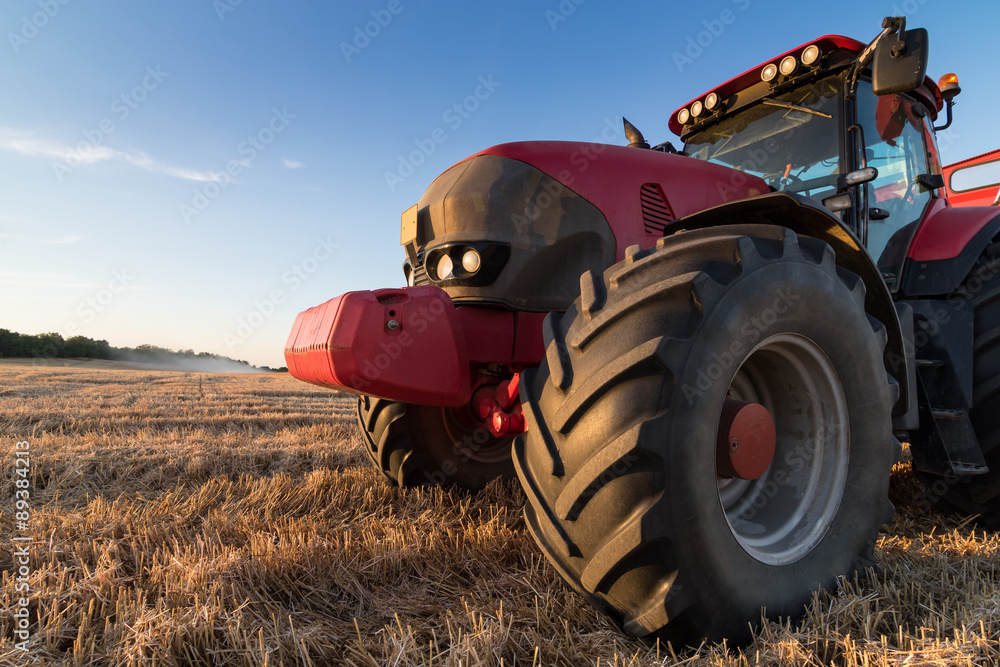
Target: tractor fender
805, 216
946, 247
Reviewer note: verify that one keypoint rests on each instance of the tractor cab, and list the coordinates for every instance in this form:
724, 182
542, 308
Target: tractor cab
848, 125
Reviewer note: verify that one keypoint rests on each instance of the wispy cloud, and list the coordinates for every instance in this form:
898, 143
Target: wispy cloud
41, 279
71, 238
58, 240
60, 280
27, 144
292, 164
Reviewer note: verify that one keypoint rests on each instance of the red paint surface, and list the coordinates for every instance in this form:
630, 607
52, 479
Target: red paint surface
746, 440
347, 343
979, 197
946, 231
609, 177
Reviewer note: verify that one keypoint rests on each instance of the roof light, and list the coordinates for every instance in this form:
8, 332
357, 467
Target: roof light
683, 116
949, 85
769, 72
696, 109
810, 55
788, 65
711, 101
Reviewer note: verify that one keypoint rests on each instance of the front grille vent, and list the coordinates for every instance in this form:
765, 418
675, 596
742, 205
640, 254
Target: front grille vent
656, 212
419, 272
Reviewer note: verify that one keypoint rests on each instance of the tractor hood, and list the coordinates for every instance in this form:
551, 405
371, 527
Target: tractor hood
517, 224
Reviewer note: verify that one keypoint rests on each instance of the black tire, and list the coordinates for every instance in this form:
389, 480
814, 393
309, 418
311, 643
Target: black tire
979, 494
421, 445
619, 459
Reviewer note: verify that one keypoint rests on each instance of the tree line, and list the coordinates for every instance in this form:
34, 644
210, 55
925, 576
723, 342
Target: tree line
54, 346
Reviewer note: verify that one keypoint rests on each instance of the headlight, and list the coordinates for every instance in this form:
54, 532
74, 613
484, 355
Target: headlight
471, 260
683, 116
769, 72
445, 268
467, 264
711, 101
696, 109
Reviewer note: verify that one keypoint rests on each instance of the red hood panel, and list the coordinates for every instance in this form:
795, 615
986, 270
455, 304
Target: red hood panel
610, 177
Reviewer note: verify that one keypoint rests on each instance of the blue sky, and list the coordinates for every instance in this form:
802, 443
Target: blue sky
192, 174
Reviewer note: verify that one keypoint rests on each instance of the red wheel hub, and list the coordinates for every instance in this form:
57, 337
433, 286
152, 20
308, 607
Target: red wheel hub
746, 440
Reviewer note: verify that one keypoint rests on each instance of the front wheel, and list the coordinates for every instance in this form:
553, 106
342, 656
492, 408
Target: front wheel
638, 491
422, 445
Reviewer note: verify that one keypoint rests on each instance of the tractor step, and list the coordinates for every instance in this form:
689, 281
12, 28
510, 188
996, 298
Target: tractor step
945, 443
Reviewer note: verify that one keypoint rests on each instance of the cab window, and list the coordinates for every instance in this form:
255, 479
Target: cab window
894, 138
791, 141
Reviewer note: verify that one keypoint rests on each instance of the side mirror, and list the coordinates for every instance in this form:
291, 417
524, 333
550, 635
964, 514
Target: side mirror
900, 62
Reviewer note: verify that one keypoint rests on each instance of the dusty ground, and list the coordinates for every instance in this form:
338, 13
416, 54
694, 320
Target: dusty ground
182, 518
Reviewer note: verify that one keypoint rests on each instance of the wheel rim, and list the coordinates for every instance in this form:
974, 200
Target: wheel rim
781, 516
473, 441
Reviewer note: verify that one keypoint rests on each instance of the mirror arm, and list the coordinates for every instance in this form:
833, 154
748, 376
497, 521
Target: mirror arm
938, 128
890, 24
899, 48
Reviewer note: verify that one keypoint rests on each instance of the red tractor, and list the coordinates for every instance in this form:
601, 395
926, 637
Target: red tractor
699, 363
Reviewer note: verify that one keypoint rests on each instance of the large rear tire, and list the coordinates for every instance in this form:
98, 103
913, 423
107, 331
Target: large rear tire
421, 445
979, 494
619, 459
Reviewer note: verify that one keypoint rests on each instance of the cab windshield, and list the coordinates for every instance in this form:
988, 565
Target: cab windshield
791, 140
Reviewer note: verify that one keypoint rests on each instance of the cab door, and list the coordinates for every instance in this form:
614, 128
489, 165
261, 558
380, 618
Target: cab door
895, 130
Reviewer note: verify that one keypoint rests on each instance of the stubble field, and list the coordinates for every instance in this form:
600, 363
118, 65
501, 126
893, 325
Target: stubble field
199, 519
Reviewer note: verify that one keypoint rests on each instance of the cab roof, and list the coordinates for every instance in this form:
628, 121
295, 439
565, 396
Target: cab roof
827, 44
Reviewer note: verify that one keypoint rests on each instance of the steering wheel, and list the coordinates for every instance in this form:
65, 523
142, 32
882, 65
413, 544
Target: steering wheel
829, 180
897, 206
